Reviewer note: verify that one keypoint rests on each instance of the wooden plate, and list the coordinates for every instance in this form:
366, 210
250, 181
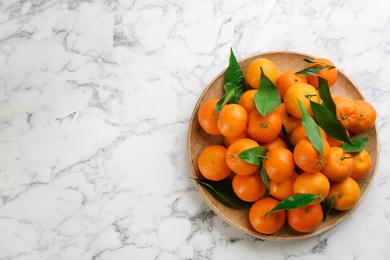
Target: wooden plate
199, 139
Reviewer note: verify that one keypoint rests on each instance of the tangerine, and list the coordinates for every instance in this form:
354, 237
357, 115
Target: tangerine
282, 190
232, 120
249, 188
339, 165
290, 122
264, 129
361, 165
305, 219
287, 79
312, 183
207, 117
346, 194
277, 142
334, 142
279, 164
366, 117
307, 158
247, 100
252, 74
300, 92
263, 220
346, 111
300, 133
328, 72
235, 163
212, 164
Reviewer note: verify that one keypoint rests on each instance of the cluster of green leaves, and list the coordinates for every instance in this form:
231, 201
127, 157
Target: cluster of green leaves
266, 99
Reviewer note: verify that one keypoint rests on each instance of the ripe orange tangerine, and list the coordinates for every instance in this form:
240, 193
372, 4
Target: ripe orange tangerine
264, 129
279, 164
307, 158
252, 74
304, 93
212, 164
249, 188
287, 79
235, 163
283, 190
232, 120
312, 183
346, 194
329, 72
208, 118
305, 219
263, 220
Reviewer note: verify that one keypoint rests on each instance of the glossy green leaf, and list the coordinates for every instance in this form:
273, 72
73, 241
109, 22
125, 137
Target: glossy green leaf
267, 97
253, 155
264, 177
323, 89
327, 206
357, 145
310, 71
234, 84
295, 201
234, 75
329, 122
230, 93
224, 191
312, 130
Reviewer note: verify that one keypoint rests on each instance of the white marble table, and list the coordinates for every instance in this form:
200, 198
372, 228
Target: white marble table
95, 101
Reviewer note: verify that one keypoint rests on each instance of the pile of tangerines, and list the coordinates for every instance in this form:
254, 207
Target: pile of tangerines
301, 170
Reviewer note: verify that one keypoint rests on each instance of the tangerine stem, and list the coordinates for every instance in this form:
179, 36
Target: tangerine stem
265, 124
308, 96
321, 162
343, 117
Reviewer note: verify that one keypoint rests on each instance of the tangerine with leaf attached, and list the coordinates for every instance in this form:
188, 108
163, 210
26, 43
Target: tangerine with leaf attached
328, 72
236, 164
263, 220
300, 92
305, 219
253, 72
264, 129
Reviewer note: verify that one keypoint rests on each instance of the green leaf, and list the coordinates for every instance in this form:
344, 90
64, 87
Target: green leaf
253, 155
230, 93
234, 75
295, 201
287, 138
312, 129
323, 89
329, 122
327, 206
357, 145
234, 85
267, 97
264, 177
310, 61
224, 191
310, 71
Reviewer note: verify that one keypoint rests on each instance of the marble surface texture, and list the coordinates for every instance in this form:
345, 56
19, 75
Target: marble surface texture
95, 103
